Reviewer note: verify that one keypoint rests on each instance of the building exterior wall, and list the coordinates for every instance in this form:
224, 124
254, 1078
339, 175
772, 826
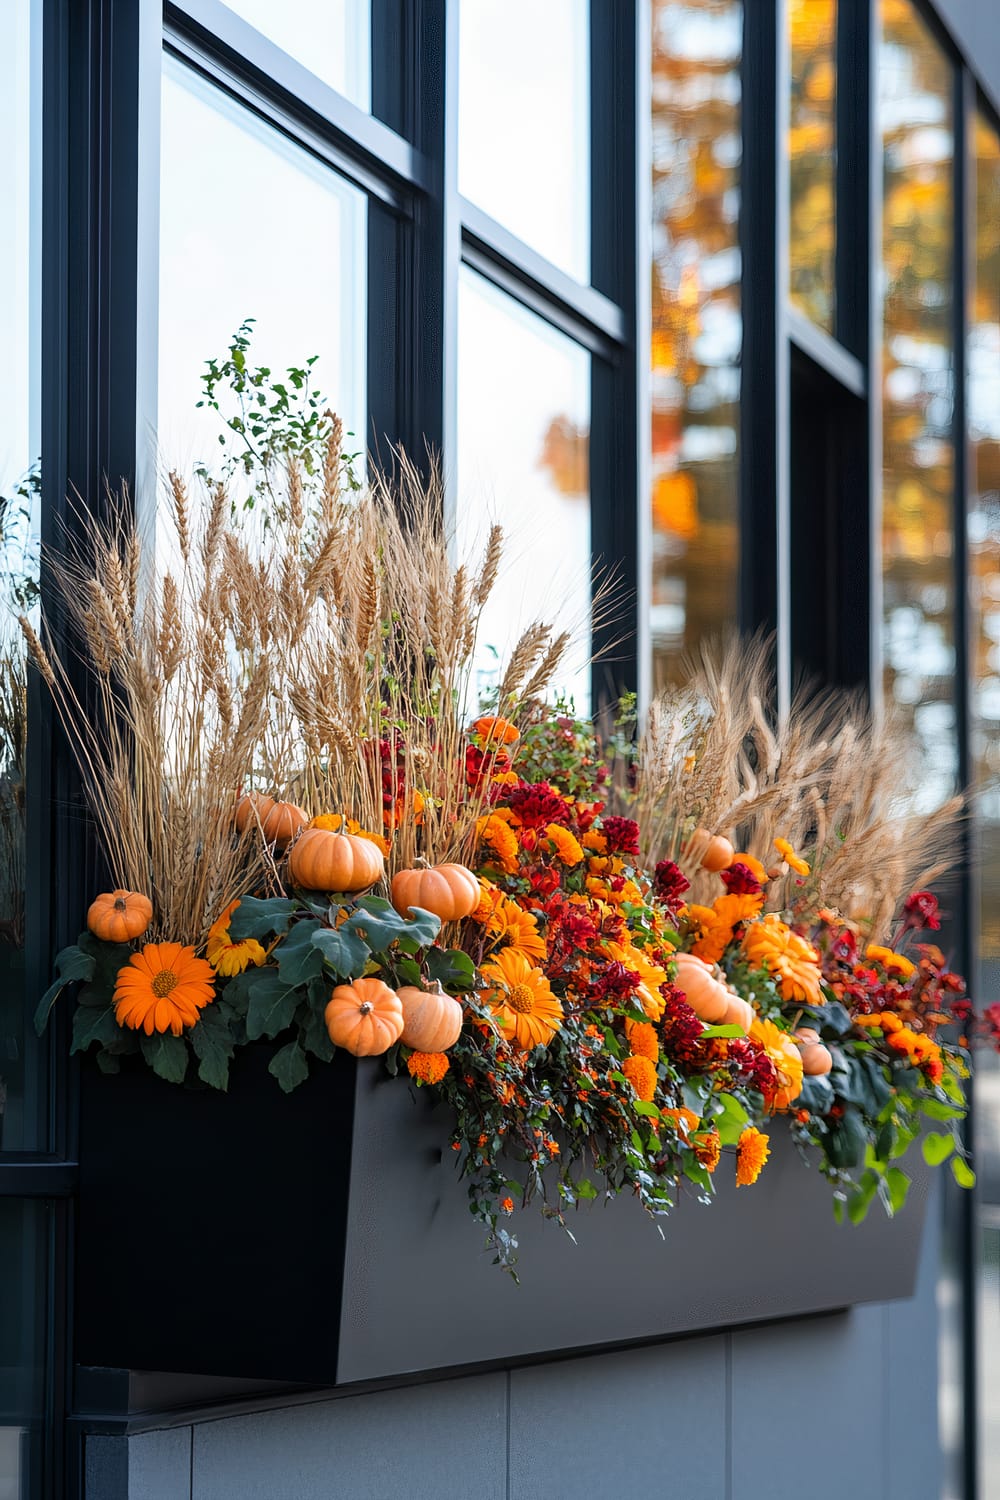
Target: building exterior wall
975, 27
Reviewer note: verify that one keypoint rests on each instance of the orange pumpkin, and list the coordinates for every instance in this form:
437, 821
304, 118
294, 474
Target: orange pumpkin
451, 892
739, 1012
120, 916
252, 810
282, 822
324, 861
432, 1020
711, 850
365, 1017
817, 1060
705, 995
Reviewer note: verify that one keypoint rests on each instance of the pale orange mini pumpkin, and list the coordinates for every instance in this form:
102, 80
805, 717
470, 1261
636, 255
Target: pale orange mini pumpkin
364, 1018
817, 1060
252, 810
705, 995
450, 891
282, 822
120, 916
324, 861
711, 850
739, 1012
432, 1020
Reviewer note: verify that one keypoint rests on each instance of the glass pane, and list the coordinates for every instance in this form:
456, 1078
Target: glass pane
915, 83
524, 122
296, 265
331, 37
812, 157
22, 1075
697, 326
24, 1257
524, 460
983, 355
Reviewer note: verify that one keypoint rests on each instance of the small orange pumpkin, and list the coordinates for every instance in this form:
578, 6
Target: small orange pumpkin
705, 995
432, 1020
252, 810
739, 1012
817, 1060
450, 891
364, 1018
324, 861
120, 916
282, 822
711, 850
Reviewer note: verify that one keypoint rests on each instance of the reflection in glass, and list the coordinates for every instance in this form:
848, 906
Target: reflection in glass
24, 1256
524, 460
251, 227
697, 327
330, 37
983, 363
918, 501
812, 157
524, 122
21, 1074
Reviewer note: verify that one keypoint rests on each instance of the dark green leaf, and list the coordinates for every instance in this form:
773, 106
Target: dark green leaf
70, 964
108, 1062
212, 1043
298, 958
937, 1147
452, 969
272, 1005
313, 1034
258, 919
289, 1066
343, 951
167, 1056
816, 1095
381, 925
847, 1138
93, 1025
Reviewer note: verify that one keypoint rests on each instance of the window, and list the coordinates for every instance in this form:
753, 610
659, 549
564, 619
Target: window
331, 37
696, 322
812, 147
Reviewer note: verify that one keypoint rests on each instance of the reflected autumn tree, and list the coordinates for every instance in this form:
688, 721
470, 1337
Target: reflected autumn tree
812, 159
915, 82
696, 321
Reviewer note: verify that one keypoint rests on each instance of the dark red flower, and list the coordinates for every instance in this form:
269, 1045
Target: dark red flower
613, 982
622, 835
921, 913
538, 803
669, 884
740, 880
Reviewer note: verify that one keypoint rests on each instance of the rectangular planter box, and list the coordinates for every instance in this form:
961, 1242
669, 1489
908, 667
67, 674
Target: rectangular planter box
325, 1238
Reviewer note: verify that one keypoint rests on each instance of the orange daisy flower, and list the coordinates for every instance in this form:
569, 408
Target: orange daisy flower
163, 988
785, 1056
509, 923
527, 1011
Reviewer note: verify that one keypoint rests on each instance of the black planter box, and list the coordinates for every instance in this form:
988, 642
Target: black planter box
325, 1238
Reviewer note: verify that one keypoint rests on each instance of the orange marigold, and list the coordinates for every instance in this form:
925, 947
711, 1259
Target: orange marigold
427, 1067
163, 988
753, 1149
566, 847
642, 1076
501, 841
708, 1149
642, 1040
792, 860
770, 944
496, 731
785, 1056
527, 1011
892, 963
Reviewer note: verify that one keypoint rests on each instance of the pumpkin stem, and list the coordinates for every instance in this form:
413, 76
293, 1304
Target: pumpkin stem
365, 1007
121, 905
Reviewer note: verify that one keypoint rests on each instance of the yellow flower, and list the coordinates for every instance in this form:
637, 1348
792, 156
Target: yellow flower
527, 1011
642, 1076
333, 822
566, 846
226, 957
494, 831
770, 944
510, 924
790, 857
752, 1152
785, 1056
892, 963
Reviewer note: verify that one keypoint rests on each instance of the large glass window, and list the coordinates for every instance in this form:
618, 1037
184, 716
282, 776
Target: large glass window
24, 1259
21, 1074
697, 328
983, 355
331, 37
523, 460
812, 158
251, 226
915, 84
524, 122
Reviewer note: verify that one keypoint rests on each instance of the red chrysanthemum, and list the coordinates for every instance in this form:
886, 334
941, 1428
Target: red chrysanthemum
622, 835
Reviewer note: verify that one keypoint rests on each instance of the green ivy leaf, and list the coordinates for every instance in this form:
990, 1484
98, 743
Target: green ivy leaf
585, 1188
71, 963
343, 951
298, 958
272, 1005
212, 1043
452, 969
380, 925
254, 918
167, 1055
935, 1109
937, 1147
289, 1066
962, 1172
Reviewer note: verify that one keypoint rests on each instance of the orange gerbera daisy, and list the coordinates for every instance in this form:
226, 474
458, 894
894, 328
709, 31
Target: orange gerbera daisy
509, 923
163, 988
642, 1076
752, 1152
794, 963
528, 1013
226, 957
785, 1056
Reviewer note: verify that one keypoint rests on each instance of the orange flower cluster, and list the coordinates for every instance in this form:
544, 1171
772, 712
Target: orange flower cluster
708, 1149
753, 1150
641, 1074
642, 1040
771, 944
334, 823
921, 1051
427, 1067
714, 926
